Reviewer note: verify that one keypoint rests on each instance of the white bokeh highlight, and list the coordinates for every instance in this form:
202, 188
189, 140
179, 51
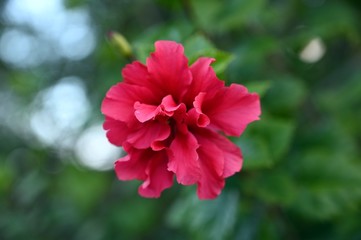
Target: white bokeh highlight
313, 51
94, 150
56, 32
59, 112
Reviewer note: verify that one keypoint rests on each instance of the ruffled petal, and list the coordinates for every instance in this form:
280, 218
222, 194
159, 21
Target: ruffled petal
183, 158
204, 79
148, 133
145, 112
232, 109
196, 118
206, 140
168, 69
117, 132
233, 159
211, 161
119, 101
195, 115
135, 73
133, 166
230, 152
123, 91
158, 177
168, 105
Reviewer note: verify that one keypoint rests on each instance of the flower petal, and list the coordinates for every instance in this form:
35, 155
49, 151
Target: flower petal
231, 153
158, 177
204, 79
231, 109
196, 116
117, 131
135, 73
168, 69
119, 101
211, 161
233, 159
168, 105
197, 119
148, 133
183, 158
145, 112
133, 165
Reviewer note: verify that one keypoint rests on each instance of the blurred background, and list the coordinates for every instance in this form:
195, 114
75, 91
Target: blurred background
302, 162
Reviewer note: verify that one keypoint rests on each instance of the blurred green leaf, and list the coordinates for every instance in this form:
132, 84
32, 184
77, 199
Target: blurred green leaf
285, 95
255, 153
220, 16
30, 187
205, 219
198, 46
135, 217
278, 134
327, 172
275, 187
259, 87
6, 177
346, 24
343, 103
195, 46
83, 188
252, 58
328, 184
265, 142
74, 3
25, 84
175, 31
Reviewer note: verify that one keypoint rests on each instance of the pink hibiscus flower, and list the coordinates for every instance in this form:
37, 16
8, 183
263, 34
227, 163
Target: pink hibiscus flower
171, 118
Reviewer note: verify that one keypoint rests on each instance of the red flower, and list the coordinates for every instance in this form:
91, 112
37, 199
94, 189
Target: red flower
169, 117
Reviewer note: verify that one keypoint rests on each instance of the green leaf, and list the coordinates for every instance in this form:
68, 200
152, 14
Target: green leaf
74, 3
143, 50
265, 142
278, 135
219, 16
275, 187
326, 169
345, 26
175, 31
134, 217
195, 46
328, 184
252, 58
242, 13
205, 219
82, 187
6, 176
259, 87
285, 95
198, 46
343, 104
31, 186
255, 152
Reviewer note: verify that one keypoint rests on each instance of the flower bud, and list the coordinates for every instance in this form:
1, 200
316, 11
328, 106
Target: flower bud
121, 42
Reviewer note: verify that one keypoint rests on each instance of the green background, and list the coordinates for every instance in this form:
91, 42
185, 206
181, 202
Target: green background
302, 162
